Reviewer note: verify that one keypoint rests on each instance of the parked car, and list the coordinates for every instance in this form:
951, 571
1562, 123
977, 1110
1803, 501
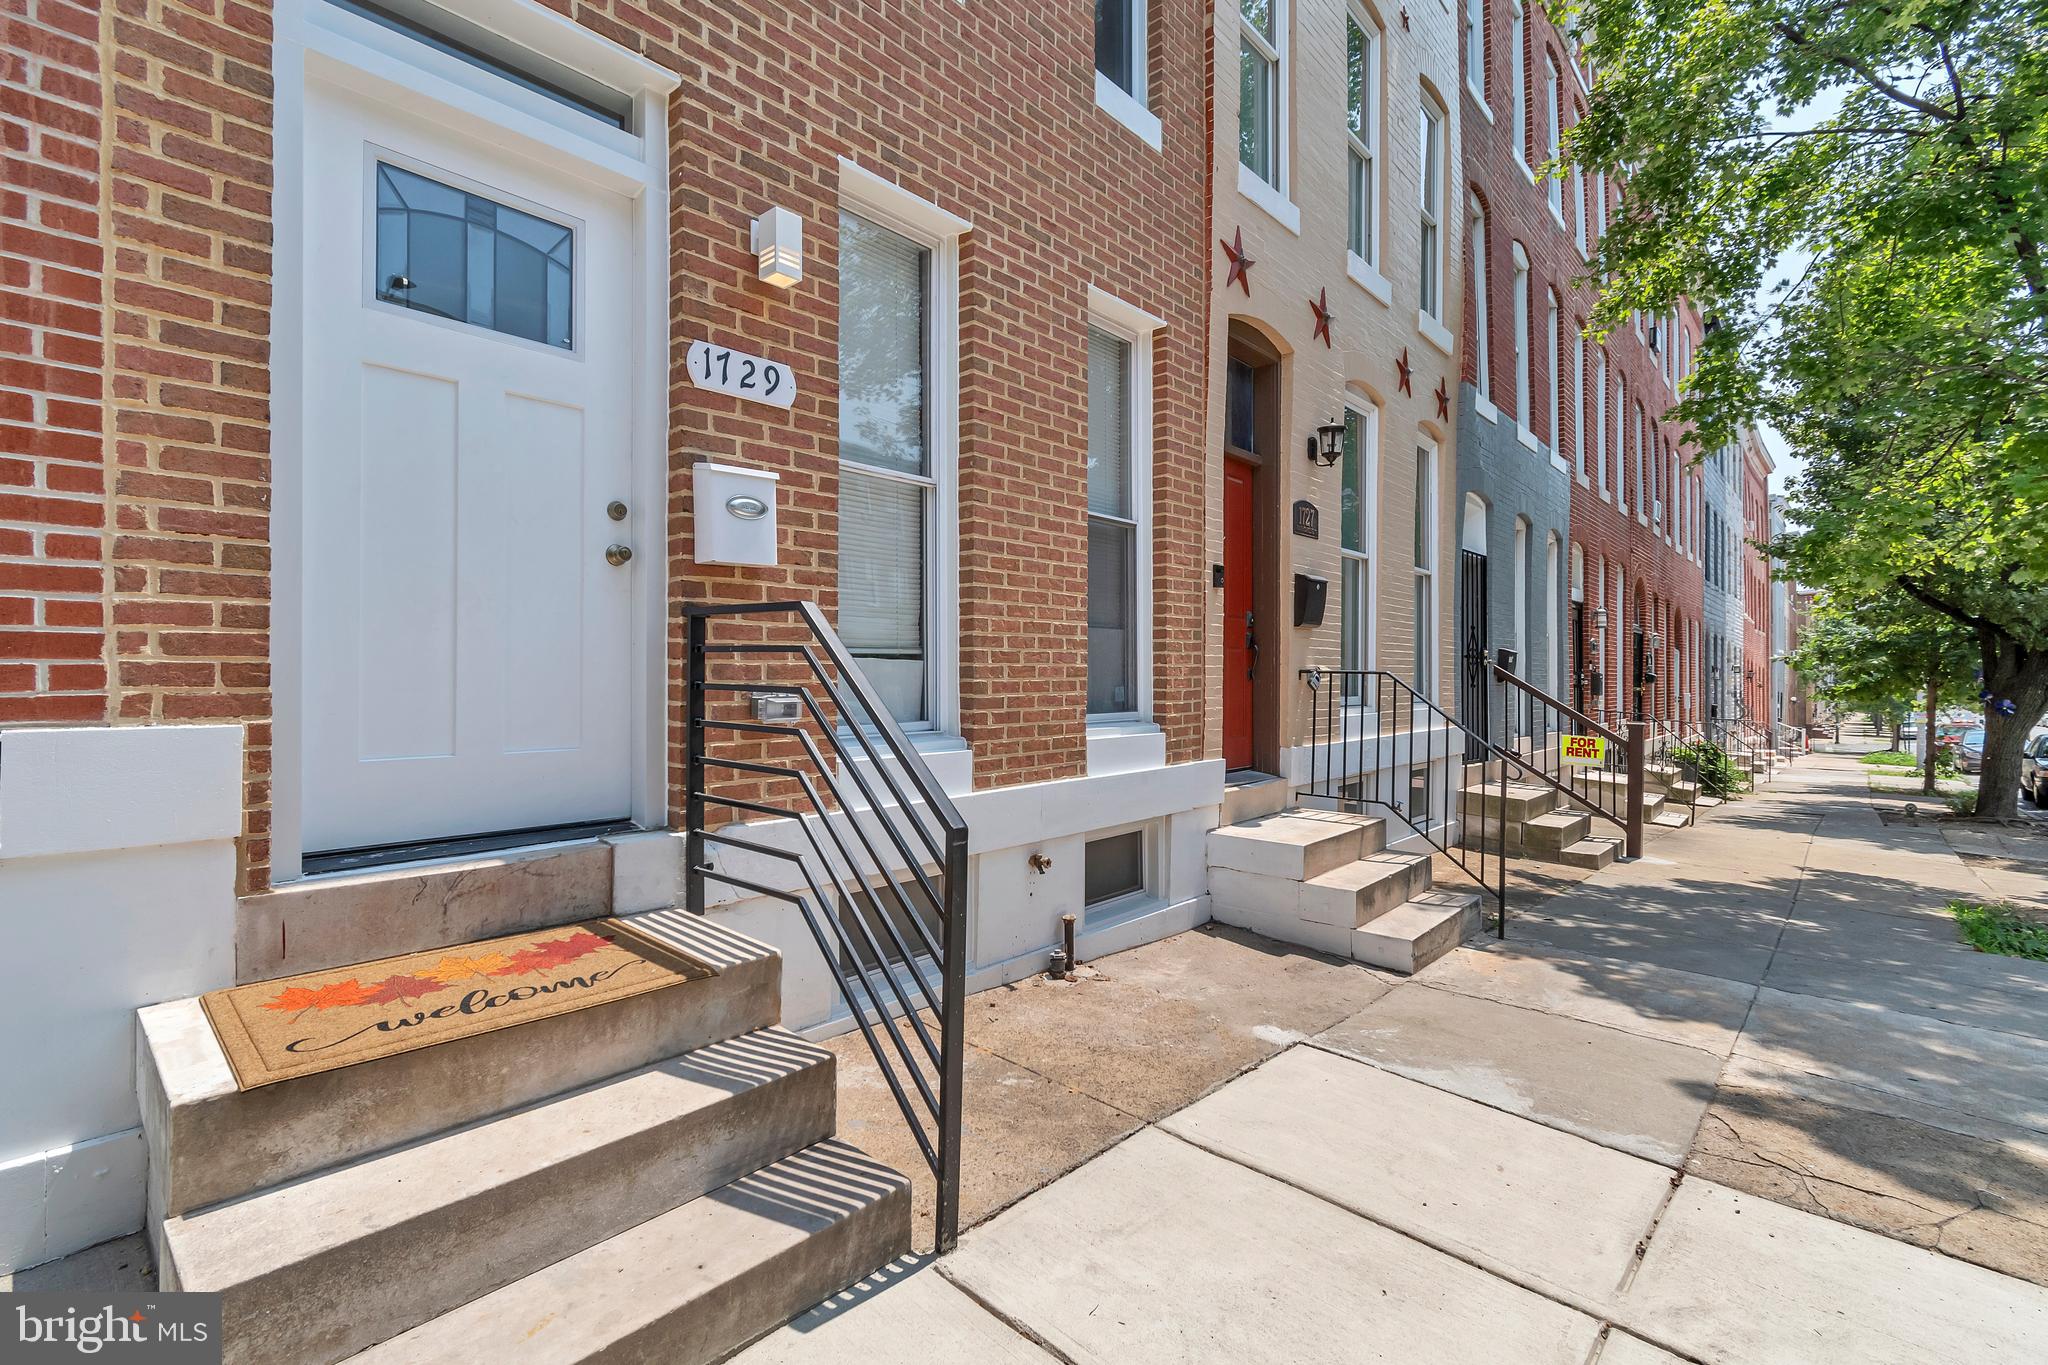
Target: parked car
1970, 751
2034, 767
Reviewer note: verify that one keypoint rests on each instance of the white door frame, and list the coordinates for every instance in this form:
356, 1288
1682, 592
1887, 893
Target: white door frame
319, 41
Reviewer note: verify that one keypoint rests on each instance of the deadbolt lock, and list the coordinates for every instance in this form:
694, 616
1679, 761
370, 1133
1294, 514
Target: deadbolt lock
616, 510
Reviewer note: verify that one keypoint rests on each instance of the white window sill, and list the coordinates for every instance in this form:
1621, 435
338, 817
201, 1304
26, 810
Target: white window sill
1527, 437
1583, 481
1277, 205
1485, 408
1557, 217
949, 758
1605, 496
1527, 169
1557, 463
1434, 332
1365, 277
1124, 745
1478, 99
1122, 106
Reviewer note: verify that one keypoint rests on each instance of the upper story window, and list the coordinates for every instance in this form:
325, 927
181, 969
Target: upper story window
1362, 131
1553, 131
1259, 48
1360, 518
1555, 359
1518, 77
1112, 529
1579, 397
1600, 417
1425, 570
1522, 378
1475, 47
1120, 44
1482, 340
1432, 186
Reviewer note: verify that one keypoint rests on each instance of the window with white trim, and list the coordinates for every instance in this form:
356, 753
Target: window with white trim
1113, 867
1362, 132
1261, 42
1600, 416
1120, 44
1556, 377
1579, 399
1521, 320
1425, 570
1432, 207
1553, 591
1621, 442
1358, 511
887, 482
1554, 130
1521, 597
1482, 339
1518, 78
1475, 48
1113, 506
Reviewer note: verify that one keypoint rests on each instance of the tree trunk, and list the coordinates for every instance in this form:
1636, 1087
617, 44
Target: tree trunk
2019, 675
1927, 742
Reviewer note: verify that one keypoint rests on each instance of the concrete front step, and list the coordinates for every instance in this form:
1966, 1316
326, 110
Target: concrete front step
1247, 795
691, 1285
1593, 852
1523, 800
320, 1268
1414, 934
1672, 817
1546, 835
1297, 845
1319, 913
209, 1141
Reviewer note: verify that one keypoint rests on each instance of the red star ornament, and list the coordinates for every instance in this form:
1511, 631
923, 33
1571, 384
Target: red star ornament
1240, 264
1320, 306
1443, 400
1407, 374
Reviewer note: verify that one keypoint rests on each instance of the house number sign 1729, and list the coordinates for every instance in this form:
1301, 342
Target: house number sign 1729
724, 370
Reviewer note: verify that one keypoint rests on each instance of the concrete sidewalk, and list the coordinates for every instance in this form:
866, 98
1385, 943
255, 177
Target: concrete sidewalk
1746, 1099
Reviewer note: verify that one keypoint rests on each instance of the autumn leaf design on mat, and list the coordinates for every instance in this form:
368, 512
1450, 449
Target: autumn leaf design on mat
407, 987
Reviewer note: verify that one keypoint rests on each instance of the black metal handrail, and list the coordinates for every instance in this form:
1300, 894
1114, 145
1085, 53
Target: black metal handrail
872, 915
1670, 739
1363, 746
1532, 724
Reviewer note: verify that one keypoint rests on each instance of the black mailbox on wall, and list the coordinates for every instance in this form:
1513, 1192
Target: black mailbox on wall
1309, 595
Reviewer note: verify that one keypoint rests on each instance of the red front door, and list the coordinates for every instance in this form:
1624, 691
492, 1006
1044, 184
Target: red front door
1240, 628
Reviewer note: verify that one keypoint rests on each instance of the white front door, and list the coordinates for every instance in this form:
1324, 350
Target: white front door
468, 391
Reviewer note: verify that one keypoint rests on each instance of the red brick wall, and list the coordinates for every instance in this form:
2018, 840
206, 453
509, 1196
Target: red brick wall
52, 488
1518, 210
138, 485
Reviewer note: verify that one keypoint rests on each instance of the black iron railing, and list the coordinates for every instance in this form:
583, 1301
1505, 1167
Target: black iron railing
1674, 761
1375, 741
875, 857
1562, 748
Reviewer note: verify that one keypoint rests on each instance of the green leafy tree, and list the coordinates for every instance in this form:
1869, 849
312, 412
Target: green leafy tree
1908, 361
1884, 655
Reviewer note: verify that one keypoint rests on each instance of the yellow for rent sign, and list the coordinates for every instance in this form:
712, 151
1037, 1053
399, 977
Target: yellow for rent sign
1589, 751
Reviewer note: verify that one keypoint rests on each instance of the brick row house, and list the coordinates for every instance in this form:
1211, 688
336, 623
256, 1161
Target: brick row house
1581, 518
435, 425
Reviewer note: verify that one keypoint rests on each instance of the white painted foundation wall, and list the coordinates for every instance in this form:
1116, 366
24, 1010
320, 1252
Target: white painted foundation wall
117, 890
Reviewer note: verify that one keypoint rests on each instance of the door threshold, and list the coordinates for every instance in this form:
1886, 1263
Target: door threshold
383, 856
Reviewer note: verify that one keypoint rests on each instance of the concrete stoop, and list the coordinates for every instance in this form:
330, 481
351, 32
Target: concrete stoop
1326, 880
1539, 824
651, 1178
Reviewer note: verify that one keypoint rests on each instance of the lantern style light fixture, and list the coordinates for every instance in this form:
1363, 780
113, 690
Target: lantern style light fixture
778, 245
1326, 447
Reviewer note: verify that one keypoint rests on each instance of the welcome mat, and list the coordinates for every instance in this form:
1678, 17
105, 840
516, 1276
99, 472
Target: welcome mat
299, 1025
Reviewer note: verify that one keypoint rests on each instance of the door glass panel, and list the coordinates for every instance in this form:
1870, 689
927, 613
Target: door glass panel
458, 255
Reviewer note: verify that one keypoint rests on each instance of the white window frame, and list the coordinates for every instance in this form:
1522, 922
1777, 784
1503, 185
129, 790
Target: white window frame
1482, 324
1475, 51
1137, 329
1579, 403
1518, 81
1555, 94
1555, 338
1132, 107
1369, 148
1621, 441
1425, 567
1524, 392
870, 196
1115, 910
1272, 196
1368, 415
1552, 594
1600, 418
1519, 567
1432, 214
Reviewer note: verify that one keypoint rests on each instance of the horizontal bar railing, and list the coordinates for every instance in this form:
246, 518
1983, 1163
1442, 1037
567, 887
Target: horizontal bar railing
872, 852
1371, 733
1536, 730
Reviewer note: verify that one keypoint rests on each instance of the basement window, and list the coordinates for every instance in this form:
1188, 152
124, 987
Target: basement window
905, 908
1113, 867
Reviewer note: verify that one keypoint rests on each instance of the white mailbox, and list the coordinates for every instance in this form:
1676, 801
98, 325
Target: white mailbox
735, 514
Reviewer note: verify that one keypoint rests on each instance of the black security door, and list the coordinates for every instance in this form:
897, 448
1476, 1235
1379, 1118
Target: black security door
1472, 610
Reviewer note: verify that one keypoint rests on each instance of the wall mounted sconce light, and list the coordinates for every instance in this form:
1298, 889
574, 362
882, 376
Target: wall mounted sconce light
778, 245
1326, 447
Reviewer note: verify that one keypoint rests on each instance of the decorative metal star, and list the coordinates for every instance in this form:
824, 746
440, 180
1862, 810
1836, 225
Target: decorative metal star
1404, 18
1407, 375
1443, 400
1240, 264
1320, 306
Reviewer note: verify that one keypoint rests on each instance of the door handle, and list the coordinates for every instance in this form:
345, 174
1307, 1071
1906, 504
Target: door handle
1251, 646
616, 555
